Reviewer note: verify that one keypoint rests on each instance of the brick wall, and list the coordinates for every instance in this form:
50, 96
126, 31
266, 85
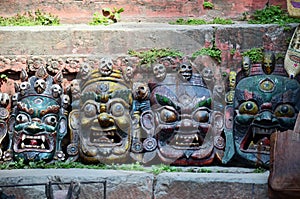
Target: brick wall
81, 11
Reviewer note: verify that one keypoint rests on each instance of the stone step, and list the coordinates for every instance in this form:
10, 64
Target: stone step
117, 39
223, 182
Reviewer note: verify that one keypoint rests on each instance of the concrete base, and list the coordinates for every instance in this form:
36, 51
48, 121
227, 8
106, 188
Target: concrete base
221, 183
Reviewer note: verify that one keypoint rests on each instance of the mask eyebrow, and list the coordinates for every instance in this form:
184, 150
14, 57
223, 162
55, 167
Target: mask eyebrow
164, 101
204, 102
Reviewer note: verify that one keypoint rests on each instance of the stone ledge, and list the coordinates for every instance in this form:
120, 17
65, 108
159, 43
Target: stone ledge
237, 183
118, 38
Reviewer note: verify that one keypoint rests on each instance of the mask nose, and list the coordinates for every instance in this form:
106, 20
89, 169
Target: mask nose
266, 117
105, 120
186, 125
34, 127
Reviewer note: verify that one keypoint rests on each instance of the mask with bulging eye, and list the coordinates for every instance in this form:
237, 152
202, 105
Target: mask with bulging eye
38, 123
103, 118
259, 112
181, 121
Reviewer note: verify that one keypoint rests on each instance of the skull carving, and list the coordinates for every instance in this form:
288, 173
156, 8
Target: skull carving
65, 101
56, 90
208, 74
40, 86
75, 89
84, 70
106, 66
24, 86
141, 92
185, 71
4, 99
208, 77
14, 99
159, 72
246, 65
268, 64
128, 73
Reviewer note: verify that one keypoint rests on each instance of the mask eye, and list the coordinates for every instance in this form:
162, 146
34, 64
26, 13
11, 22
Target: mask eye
285, 110
117, 109
22, 118
89, 110
248, 107
51, 120
201, 116
168, 116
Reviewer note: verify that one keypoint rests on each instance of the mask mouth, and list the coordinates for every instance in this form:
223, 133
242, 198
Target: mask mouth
186, 75
187, 141
184, 140
257, 140
38, 142
105, 138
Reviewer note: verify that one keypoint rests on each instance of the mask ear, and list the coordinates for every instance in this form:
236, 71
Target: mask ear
218, 121
3, 131
147, 122
74, 120
62, 127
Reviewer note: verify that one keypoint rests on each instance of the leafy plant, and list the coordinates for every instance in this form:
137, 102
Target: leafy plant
259, 170
182, 21
204, 170
272, 15
255, 54
219, 20
216, 20
107, 17
232, 51
207, 4
30, 19
157, 169
151, 56
213, 52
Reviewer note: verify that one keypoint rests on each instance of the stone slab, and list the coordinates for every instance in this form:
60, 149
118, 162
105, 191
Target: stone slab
117, 39
211, 185
223, 182
118, 182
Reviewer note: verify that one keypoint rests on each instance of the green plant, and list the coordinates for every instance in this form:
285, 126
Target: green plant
211, 51
255, 54
107, 17
181, 21
151, 56
219, 20
207, 4
272, 15
204, 170
157, 169
216, 20
232, 51
259, 170
30, 19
